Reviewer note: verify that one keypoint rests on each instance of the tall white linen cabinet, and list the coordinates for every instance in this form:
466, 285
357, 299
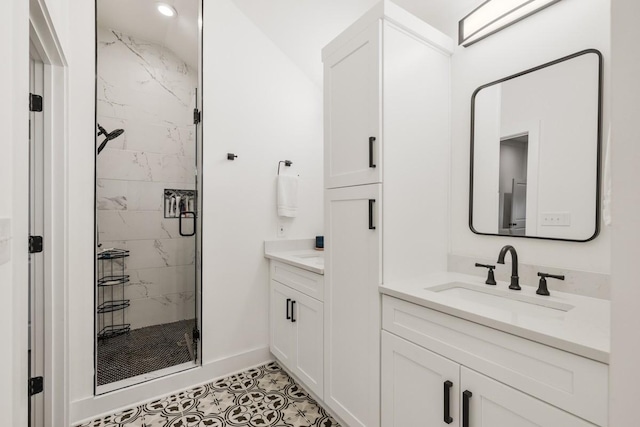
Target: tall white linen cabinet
387, 156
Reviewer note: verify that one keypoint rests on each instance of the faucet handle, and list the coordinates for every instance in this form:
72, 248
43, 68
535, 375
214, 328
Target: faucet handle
491, 280
542, 286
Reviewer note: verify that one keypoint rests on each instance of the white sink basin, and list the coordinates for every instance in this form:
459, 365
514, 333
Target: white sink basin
502, 300
312, 258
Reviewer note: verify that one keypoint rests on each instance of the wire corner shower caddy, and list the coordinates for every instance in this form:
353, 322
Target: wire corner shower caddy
111, 301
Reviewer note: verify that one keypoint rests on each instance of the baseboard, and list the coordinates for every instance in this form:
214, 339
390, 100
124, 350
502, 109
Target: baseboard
93, 407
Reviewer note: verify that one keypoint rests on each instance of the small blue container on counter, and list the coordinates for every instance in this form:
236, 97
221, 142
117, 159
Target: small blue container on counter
319, 242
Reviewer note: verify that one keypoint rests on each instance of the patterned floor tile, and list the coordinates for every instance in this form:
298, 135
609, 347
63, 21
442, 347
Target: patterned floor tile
259, 397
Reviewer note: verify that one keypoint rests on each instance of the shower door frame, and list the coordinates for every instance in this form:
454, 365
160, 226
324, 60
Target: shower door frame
100, 390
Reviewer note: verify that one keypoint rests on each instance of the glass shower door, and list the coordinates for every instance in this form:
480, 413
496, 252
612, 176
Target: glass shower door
148, 154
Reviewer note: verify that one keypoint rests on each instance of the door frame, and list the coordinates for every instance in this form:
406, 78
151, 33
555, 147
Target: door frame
45, 40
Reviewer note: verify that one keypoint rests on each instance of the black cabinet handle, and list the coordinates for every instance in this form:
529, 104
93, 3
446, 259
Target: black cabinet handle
288, 315
187, 214
372, 139
466, 395
447, 404
371, 226
293, 312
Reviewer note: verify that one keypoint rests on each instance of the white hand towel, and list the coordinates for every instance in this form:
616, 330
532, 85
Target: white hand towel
287, 195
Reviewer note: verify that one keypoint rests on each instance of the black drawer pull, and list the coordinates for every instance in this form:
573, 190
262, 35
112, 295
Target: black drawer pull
371, 226
372, 139
447, 404
466, 395
288, 315
293, 311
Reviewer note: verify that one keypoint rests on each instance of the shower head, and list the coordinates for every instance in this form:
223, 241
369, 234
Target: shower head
109, 136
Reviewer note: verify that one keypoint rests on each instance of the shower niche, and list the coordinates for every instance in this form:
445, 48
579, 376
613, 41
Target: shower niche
147, 223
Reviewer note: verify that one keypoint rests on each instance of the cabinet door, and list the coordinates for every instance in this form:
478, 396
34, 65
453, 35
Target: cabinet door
353, 111
493, 404
308, 341
352, 303
281, 340
419, 388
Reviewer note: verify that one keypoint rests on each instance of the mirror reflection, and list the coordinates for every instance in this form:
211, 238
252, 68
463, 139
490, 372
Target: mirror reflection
147, 278
535, 152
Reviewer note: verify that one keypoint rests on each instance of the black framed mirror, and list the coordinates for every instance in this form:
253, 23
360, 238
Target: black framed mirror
536, 140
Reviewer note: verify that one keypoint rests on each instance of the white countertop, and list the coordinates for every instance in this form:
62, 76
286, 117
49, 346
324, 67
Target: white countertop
308, 259
583, 330
298, 253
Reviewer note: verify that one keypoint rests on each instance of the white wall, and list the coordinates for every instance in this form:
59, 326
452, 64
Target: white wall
258, 105
625, 339
569, 26
14, 86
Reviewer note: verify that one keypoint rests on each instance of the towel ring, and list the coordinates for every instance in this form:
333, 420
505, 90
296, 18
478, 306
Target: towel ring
286, 163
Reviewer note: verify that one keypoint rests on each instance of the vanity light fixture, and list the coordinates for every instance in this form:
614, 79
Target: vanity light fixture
494, 15
166, 9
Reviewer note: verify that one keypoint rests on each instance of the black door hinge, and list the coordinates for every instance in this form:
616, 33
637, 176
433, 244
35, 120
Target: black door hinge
35, 244
196, 334
36, 385
35, 102
197, 116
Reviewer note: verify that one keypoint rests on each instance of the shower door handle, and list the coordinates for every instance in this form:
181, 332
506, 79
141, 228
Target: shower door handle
185, 215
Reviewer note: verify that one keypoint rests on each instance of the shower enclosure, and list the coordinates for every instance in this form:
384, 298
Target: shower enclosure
147, 190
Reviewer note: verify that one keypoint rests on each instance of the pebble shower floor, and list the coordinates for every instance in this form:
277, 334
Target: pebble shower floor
260, 397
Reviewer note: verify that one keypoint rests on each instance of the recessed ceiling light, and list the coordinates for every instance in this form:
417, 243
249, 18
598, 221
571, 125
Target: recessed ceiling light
166, 10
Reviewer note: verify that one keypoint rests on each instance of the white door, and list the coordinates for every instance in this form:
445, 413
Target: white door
518, 207
352, 112
308, 327
281, 342
493, 404
352, 303
419, 388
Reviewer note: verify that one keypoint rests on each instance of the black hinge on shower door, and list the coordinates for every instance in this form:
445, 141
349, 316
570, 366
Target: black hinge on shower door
196, 334
36, 385
35, 244
35, 103
197, 116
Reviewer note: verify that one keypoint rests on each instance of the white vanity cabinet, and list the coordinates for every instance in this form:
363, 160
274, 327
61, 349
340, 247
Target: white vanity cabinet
296, 321
508, 381
386, 98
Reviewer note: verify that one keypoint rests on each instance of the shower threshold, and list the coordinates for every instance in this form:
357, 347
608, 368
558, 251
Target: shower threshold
107, 388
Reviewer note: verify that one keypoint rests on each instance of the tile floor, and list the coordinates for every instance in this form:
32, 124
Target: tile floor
260, 397
143, 350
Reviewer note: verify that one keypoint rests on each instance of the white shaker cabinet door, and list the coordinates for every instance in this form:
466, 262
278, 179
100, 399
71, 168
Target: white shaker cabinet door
488, 403
352, 112
419, 387
352, 303
282, 329
308, 341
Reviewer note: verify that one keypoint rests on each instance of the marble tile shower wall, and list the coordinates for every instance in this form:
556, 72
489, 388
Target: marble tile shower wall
149, 92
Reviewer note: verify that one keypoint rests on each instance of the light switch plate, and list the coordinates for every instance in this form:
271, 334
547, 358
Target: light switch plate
5, 240
555, 219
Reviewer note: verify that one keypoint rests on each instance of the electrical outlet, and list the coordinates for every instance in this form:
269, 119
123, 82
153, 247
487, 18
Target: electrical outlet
282, 230
555, 219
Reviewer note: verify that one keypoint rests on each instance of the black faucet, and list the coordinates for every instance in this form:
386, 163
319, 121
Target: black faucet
515, 280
